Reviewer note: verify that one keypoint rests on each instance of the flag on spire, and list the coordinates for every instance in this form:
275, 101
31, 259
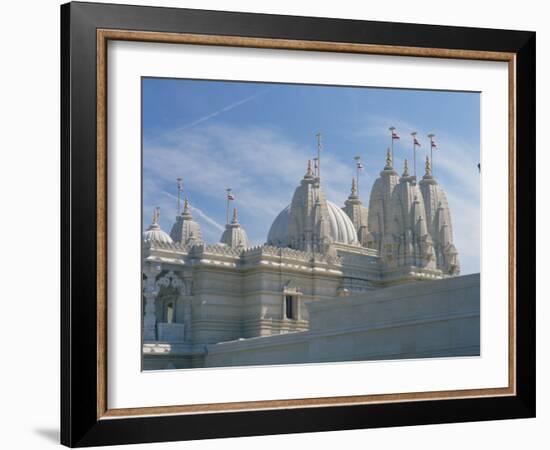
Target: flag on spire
230, 196
394, 135
416, 142
434, 145
360, 165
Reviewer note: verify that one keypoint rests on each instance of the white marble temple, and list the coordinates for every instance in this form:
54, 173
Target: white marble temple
199, 298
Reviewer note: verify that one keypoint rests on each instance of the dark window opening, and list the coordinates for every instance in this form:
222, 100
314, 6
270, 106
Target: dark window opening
289, 306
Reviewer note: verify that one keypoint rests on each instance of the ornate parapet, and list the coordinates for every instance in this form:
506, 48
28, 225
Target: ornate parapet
293, 260
266, 251
173, 246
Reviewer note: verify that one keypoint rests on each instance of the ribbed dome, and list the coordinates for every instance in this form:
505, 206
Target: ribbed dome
341, 227
154, 233
278, 233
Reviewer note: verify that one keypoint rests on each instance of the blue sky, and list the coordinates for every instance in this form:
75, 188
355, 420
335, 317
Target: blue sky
257, 137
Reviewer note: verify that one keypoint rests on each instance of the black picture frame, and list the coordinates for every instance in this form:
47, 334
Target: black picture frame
80, 425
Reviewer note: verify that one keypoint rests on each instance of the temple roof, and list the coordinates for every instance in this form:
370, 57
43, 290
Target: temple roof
154, 233
341, 227
234, 235
185, 229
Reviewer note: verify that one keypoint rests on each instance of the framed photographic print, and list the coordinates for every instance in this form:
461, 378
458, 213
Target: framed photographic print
278, 224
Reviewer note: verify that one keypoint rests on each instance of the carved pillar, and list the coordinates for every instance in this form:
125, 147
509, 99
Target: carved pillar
150, 293
187, 318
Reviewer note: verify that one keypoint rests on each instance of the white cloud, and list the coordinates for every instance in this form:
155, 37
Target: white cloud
261, 166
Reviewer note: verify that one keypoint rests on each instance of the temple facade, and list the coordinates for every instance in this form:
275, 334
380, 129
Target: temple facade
198, 295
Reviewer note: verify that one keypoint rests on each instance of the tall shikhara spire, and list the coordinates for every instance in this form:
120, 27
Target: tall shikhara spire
438, 222
357, 213
410, 223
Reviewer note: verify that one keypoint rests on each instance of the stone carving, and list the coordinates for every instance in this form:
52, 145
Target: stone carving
150, 292
171, 280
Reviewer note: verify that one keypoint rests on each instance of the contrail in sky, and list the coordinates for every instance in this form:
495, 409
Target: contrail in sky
206, 217
211, 115
220, 111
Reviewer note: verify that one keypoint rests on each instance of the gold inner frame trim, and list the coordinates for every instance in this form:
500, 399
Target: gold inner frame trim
104, 35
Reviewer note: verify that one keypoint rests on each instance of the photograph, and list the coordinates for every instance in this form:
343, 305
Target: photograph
304, 224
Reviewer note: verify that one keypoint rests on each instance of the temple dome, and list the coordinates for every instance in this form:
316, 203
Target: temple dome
234, 235
154, 233
185, 230
341, 228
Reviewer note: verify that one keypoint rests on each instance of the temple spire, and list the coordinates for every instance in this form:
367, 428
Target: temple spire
156, 216
406, 169
235, 219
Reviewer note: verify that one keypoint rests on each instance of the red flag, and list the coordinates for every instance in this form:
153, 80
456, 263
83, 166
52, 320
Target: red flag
230, 196
434, 145
416, 142
394, 135
360, 165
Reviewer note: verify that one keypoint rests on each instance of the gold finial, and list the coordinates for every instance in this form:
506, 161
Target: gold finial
406, 169
428, 166
388, 158
186, 206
